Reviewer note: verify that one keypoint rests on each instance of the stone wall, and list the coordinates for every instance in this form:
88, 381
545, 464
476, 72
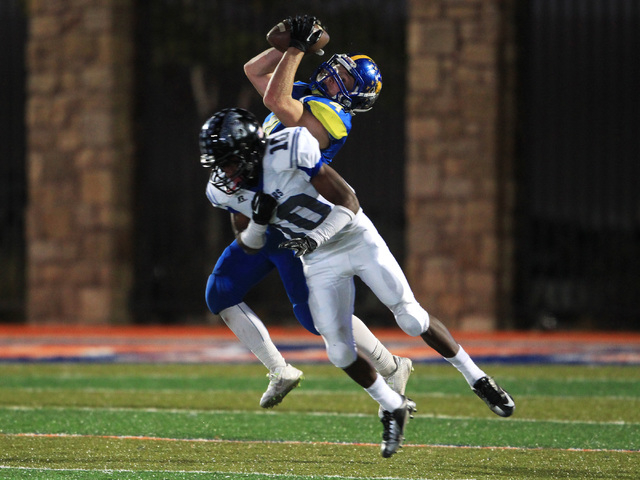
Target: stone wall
458, 175
79, 122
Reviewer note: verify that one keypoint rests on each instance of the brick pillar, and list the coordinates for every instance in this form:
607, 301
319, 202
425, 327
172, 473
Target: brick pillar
458, 152
79, 120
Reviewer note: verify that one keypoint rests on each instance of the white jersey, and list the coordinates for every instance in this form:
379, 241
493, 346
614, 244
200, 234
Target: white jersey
292, 158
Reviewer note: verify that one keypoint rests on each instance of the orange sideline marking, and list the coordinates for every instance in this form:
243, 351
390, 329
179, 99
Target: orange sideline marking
9, 330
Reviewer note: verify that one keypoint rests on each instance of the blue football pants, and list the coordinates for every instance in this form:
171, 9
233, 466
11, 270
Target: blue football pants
236, 272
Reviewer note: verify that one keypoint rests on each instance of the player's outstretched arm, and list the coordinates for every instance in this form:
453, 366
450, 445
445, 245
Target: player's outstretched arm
261, 67
277, 96
290, 111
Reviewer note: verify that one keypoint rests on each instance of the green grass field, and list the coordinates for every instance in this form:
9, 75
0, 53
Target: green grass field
114, 421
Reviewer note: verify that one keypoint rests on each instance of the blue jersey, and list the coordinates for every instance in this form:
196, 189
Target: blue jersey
331, 114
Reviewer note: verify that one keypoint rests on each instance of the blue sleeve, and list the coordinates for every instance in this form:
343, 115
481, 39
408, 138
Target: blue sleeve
313, 171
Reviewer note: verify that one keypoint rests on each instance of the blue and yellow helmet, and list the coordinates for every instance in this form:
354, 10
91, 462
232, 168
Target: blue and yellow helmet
367, 86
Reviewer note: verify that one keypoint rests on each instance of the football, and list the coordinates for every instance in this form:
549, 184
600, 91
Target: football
280, 35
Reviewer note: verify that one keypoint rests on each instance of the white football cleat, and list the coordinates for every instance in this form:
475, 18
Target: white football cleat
399, 378
281, 381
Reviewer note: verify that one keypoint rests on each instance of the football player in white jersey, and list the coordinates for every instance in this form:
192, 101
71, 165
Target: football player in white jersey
340, 87
281, 181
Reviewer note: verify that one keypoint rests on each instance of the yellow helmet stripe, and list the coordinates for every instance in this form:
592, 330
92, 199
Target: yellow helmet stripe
359, 57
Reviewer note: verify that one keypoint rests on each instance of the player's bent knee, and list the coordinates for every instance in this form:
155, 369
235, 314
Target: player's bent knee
216, 299
411, 318
341, 355
215, 306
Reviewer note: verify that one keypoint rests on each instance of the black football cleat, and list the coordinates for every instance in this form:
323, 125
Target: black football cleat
394, 422
497, 399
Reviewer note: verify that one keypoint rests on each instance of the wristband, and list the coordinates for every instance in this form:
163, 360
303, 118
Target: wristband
336, 220
254, 236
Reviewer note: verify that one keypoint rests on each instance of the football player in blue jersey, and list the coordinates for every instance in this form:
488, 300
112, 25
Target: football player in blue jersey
341, 87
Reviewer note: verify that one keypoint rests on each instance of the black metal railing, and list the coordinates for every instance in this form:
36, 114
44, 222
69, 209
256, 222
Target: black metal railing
12, 160
578, 241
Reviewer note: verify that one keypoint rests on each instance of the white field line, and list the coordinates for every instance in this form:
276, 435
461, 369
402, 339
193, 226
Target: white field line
295, 442
312, 414
303, 392
204, 472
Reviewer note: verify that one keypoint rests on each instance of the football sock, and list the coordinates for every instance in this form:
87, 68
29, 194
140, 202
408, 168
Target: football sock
252, 333
382, 393
367, 343
467, 367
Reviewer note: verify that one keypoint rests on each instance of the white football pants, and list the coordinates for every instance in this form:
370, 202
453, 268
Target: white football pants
357, 250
